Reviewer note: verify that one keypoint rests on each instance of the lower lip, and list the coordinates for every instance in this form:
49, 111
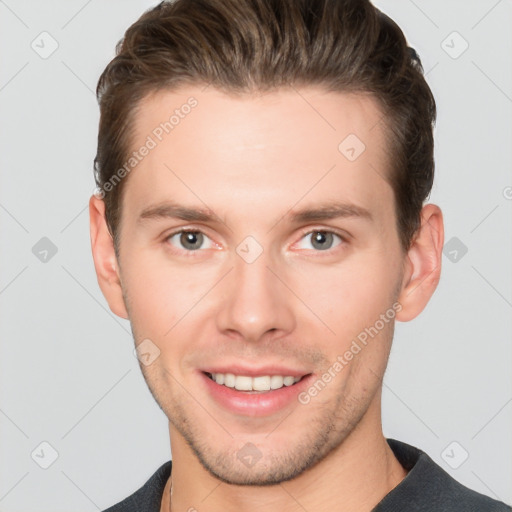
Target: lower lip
255, 404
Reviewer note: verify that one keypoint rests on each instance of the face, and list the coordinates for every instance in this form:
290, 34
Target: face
257, 240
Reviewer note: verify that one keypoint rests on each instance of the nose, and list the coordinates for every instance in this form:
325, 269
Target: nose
255, 302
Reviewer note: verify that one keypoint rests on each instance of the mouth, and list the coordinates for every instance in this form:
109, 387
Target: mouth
250, 390
254, 384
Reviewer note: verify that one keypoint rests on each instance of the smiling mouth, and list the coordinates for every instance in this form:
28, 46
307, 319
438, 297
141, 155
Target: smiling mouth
259, 384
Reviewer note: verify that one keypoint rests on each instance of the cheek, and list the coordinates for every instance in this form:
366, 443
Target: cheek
351, 296
159, 293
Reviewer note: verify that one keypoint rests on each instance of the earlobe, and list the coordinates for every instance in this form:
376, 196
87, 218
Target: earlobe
423, 264
105, 260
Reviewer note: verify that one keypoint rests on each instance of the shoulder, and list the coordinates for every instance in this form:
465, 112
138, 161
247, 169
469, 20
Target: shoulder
149, 496
428, 487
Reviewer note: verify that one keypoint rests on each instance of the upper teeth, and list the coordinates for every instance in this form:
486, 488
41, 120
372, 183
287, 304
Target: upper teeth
246, 383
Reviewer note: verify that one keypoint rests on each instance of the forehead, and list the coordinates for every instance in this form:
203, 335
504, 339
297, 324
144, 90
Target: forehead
253, 151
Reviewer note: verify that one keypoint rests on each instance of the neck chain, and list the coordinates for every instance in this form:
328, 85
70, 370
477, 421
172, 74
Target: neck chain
170, 496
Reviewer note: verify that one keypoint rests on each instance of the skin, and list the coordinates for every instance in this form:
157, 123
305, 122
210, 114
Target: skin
253, 161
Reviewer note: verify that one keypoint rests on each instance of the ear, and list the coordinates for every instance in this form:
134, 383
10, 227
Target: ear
422, 264
105, 260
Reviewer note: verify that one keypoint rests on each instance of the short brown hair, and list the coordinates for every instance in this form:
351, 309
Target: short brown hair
241, 46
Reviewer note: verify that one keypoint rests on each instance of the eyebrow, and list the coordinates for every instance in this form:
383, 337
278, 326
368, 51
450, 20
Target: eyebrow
330, 211
327, 211
173, 210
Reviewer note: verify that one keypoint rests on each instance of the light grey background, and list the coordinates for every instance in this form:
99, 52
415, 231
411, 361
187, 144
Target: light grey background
68, 376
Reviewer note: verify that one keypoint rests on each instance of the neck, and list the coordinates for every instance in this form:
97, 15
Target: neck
353, 477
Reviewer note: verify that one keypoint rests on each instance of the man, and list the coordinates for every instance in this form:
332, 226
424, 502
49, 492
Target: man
262, 169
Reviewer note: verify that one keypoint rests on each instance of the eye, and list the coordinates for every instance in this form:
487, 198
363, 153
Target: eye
190, 240
321, 240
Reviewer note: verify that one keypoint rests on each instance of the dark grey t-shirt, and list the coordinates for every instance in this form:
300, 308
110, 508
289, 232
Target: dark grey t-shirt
426, 488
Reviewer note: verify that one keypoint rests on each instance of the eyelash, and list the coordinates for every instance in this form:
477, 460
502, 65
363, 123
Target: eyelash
343, 239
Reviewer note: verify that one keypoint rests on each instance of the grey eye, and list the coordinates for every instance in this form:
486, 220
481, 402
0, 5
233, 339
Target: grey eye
189, 240
321, 240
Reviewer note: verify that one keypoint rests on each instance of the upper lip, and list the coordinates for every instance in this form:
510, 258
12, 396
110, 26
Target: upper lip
238, 369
